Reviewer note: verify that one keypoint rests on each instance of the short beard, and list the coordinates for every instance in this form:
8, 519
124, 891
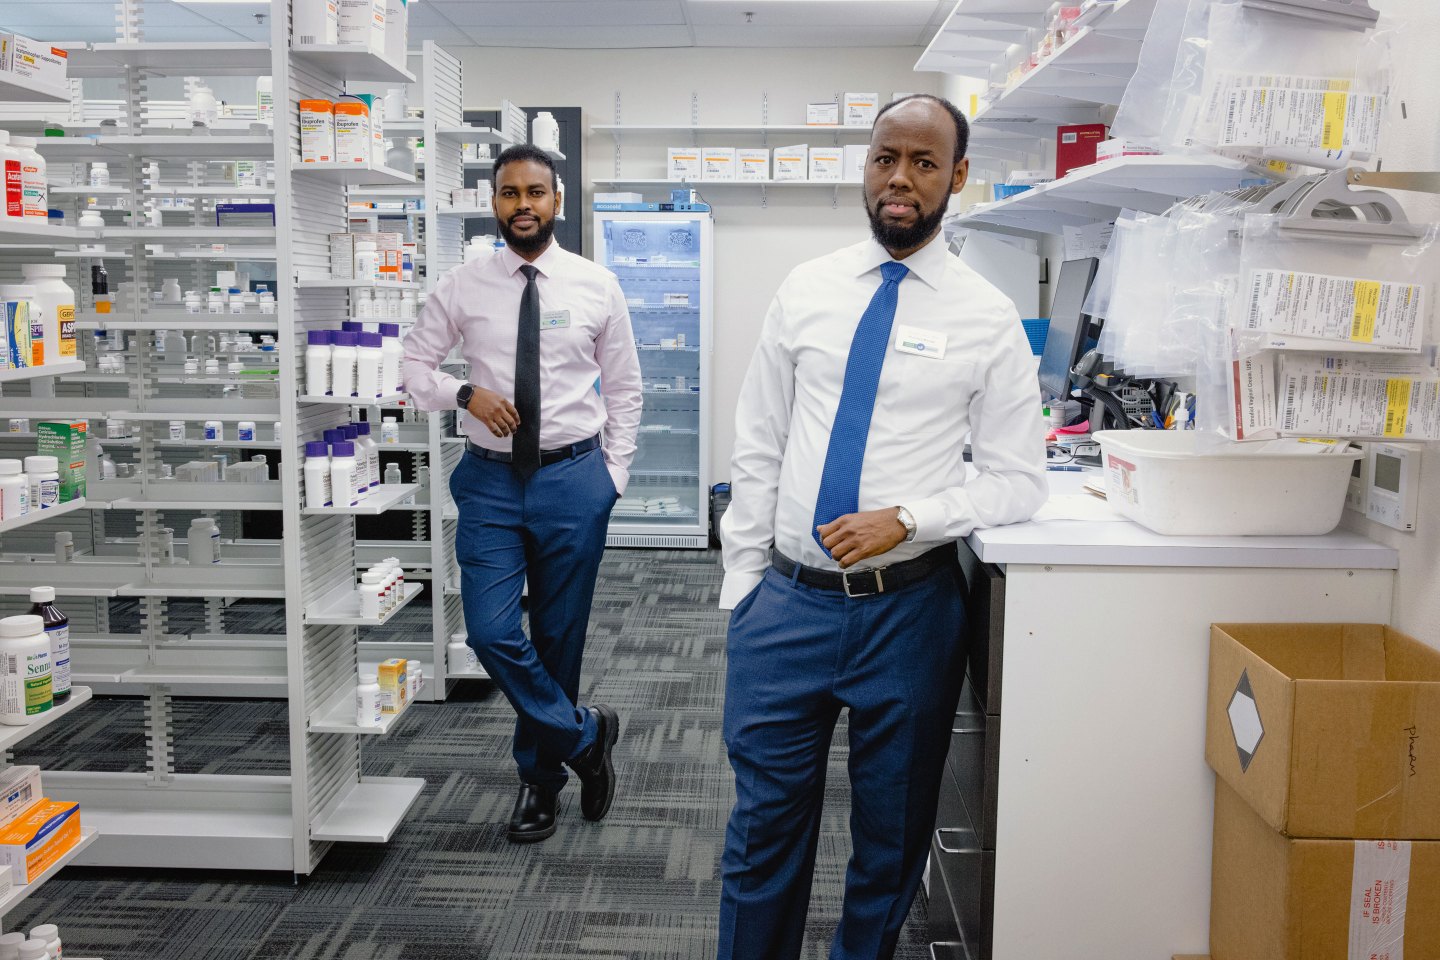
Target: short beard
531, 244
893, 237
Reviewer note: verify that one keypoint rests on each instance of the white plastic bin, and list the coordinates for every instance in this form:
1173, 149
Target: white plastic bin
1159, 479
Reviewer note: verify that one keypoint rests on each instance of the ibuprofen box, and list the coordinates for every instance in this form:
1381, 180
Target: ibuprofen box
394, 685
37, 840
1278, 898
65, 441
1325, 729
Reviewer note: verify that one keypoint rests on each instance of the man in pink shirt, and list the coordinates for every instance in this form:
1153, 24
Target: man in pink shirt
548, 454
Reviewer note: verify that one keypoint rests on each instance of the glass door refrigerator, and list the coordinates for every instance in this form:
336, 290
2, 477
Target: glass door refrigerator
664, 261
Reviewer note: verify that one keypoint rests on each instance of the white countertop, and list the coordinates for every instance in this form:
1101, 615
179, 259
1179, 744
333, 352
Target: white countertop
1123, 543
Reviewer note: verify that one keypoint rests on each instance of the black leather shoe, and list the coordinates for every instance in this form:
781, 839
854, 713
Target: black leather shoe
534, 815
594, 766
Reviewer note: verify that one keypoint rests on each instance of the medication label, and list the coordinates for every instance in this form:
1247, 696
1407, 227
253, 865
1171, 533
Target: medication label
1336, 308
1369, 398
1318, 114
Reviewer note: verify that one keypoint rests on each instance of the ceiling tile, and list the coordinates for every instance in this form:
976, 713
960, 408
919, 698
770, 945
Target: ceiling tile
565, 13
820, 17
855, 36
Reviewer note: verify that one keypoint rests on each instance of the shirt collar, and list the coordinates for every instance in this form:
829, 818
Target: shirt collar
545, 263
928, 263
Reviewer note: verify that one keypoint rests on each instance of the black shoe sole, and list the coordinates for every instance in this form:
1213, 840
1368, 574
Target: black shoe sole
612, 736
531, 836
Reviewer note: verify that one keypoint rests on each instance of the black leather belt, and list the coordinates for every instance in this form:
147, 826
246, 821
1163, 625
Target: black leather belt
864, 583
547, 457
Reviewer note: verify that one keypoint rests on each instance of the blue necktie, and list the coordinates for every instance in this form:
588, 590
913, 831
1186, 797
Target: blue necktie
840, 480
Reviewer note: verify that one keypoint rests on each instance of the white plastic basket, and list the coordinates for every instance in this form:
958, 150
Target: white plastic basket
1281, 488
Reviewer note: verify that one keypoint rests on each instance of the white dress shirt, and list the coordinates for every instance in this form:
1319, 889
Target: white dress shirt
585, 335
984, 386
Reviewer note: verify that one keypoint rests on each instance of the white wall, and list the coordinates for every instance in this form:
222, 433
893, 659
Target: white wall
1414, 144
754, 248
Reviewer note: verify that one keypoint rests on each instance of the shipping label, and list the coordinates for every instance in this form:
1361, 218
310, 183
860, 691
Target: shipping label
1319, 114
1336, 308
1120, 484
1362, 398
1379, 890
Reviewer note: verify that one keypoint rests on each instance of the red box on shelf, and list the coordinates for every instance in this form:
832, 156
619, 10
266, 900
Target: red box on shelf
1075, 146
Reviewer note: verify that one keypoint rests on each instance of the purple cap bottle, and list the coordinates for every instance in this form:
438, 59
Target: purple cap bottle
353, 326
317, 448
389, 329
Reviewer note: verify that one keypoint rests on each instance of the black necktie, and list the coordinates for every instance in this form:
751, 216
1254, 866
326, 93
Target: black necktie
526, 445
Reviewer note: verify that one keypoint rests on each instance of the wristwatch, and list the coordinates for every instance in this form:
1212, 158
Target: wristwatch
907, 520
463, 395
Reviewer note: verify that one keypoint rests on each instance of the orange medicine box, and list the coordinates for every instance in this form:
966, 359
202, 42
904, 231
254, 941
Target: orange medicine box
394, 685
37, 840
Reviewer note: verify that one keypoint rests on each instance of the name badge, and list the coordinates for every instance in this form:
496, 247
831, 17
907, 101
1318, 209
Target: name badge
920, 342
554, 319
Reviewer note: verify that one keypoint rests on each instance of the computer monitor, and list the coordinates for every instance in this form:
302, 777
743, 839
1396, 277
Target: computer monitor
1069, 326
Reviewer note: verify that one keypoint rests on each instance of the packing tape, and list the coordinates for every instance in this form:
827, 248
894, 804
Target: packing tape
1379, 889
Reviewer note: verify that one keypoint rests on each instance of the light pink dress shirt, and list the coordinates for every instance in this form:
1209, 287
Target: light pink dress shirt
585, 335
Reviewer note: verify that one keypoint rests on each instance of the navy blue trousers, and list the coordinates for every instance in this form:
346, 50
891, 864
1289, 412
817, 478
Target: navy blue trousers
797, 656
549, 530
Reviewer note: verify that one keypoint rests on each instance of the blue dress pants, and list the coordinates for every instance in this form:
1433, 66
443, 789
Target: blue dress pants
797, 656
549, 530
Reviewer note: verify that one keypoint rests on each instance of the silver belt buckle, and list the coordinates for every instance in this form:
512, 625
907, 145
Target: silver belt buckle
879, 582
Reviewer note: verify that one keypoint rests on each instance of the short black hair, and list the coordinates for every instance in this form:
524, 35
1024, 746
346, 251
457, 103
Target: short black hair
962, 126
526, 151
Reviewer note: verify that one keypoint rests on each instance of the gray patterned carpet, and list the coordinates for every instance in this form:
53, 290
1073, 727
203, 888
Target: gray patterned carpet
642, 885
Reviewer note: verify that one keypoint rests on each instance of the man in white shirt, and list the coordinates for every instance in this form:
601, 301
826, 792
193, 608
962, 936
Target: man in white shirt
548, 455
849, 489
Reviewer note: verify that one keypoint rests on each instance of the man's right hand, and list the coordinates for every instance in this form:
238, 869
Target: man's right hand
494, 411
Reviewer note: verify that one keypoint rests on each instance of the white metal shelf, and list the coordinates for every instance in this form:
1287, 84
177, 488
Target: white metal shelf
338, 715
219, 190
35, 516
371, 812
703, 129
10, 736
178, 321
160, 503
1099, 192
468, 134
47, 370
389, 400
345, 610
381, 499
157, 234
212, 146
390, 191
85, 190
476, 674
464, 212
351, 62
703, 185
183, 59
40, 233
20, 892
351, 173
25, 90
327, 283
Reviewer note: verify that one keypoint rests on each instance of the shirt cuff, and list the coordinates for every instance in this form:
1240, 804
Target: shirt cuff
619, 476
929, 515
737, 587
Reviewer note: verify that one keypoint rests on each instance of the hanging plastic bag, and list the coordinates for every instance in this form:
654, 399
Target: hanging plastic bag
1142, 112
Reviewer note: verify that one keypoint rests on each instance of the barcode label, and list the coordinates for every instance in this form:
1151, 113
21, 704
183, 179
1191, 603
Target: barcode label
1334, 397
1323, 116
1328, 307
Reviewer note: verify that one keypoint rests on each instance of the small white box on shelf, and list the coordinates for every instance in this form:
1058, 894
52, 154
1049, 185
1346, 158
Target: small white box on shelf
19, 788
855, 157
752, 163
822, 114
860, 109
827, 163
1120, 147
397, 31
362, 24
718, 163
315, 21
683, 163
33, 60
342, 256
792, 163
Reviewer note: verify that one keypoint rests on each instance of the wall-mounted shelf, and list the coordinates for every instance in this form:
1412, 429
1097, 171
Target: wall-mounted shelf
351, 62
43, 233
345, 610
20, 892
827, 130
338, 716
371, 812
351, 173
157, 146
10, 736
178, 320
389, 400
183, 59
331, 284
24, 90
469, 134
381, 499
47, 370
703, 185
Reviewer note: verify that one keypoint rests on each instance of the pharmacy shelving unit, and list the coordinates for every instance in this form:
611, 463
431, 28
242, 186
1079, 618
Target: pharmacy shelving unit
275, 550
763, 134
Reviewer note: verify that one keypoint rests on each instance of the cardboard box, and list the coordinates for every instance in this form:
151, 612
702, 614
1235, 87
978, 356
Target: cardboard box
1120, 147
855, 156
39, 838
388, 249
1276, 898
19, 791
682, 163
33, 60
752, 163
1326, 729
245, 214
342, 256
792, 163
822, 114
1076, 146
394, 686
860, 109
66, 442
717, 163
827, 163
